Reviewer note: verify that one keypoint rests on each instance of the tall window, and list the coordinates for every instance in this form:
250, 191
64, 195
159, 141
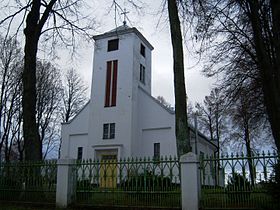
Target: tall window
113, 45
142, 73
111, 83
142, 50
109, 130
156, 150
80, 153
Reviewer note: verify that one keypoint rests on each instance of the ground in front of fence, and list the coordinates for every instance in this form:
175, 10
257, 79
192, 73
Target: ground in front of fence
121, 199
28, 206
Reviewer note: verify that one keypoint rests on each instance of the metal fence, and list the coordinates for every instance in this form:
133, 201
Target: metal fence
129, 182
28, 181
237, 181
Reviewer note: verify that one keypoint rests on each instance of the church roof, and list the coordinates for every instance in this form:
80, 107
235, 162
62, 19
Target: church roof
123, 29
119, 28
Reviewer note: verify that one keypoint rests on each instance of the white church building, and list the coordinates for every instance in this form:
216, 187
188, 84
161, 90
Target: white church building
122, 118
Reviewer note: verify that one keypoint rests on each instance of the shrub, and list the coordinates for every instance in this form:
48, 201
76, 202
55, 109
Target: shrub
238, 188
274, 184
85, 184
147, 182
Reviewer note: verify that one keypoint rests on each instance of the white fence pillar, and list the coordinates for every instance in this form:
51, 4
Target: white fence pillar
190, 181
66, 182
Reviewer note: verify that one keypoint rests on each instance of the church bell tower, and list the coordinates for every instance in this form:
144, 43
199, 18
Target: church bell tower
121, 65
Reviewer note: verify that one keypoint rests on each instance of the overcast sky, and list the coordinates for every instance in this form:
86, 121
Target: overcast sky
162, 63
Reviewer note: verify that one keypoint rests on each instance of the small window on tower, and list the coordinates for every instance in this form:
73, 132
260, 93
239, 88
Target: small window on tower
113, 45
142, 73
142, 50
80, 153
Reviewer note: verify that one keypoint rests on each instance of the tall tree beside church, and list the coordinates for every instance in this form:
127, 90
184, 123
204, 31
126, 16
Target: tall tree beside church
246, 122
264, 17
10, 93
182, 132
211, 116
32, 32
49, 94
59, 21
243, 40
74, 95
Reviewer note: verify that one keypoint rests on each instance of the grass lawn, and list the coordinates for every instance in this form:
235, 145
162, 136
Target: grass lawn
26, 206
220, 198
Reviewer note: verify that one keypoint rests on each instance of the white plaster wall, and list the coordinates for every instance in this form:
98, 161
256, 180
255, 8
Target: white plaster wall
121, 114
77, 126
146, 61
156, 125
202, 145
206, 147
152, 114
163, 136
78, 140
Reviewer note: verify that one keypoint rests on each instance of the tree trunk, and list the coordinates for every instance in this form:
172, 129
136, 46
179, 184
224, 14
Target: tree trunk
32, 142
249, 155
268, 65
182, 131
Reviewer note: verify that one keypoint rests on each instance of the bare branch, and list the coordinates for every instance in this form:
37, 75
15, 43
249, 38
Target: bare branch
12, 16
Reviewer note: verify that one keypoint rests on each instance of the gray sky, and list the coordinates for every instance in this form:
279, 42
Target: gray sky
162, 64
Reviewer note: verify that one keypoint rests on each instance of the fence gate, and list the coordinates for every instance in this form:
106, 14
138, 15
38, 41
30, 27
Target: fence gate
237, 182
146, 183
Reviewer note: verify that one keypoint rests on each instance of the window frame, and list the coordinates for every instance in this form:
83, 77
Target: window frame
142, 78
106, 131
143, 50
109, 130
112, 130
112, 45
111, 84
80, 153
156, 151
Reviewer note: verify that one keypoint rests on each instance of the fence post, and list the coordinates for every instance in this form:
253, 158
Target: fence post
66, 184
190, 182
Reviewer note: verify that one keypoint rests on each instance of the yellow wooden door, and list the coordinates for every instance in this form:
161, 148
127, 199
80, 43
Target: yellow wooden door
108, 171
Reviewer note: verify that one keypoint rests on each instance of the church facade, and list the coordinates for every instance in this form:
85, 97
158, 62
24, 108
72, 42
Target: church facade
122, 119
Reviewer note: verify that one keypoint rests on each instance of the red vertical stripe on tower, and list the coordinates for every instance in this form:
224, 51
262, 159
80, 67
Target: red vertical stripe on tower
115, 77
108, 83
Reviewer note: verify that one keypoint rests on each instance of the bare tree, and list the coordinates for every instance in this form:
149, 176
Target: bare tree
19, 143
212, 120
74, 95
242, 38
10, 94
206, 115
181, 123
264, 18
48, 101
49, 94
52, 20
212, 114
247, 126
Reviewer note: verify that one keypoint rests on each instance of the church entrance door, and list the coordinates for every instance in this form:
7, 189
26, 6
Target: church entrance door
108, 171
